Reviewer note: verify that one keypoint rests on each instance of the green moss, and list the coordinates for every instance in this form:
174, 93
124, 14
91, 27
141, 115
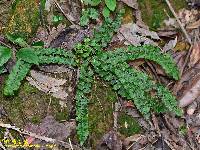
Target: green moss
155, 11
128, 126
24, 18
30, 105
29, 88
128, 15
60, 116
101, 108
36, 119
183, 130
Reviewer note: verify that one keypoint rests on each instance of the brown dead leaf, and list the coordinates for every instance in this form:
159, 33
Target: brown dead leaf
188, 16
131, 3
192, 93
194, 25
135, 35
186, 80
170, 45
169, 33
110, 141
195, 54
48, 84
135, 142
51, 128
134, 138
43, 35
181, 46
72, 9
191, 108
193, 120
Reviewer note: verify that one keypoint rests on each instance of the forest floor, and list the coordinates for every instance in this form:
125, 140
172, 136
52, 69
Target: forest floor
42, 113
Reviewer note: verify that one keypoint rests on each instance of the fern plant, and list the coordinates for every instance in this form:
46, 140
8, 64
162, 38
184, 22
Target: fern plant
92, 13
111, 66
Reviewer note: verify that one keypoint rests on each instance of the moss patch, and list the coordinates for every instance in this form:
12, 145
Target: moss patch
100, 111
31, 106
128, 16
155, 11
128, 126
24, 18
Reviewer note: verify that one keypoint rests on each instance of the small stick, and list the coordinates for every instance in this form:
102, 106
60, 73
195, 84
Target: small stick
59, 7
1, 146
179, 22
47, 139
115, 115
70, 144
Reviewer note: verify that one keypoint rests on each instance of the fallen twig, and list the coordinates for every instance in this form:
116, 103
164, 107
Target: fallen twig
1, 146
179, 22
59, 7
47, 139
70, 144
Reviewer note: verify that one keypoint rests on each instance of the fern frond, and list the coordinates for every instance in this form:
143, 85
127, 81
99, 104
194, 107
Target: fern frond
153, 53
17, 40
105, 32
28, 55
82, 116
168, 99
136, 85
56, 56
84, 87
148, 52
18, 73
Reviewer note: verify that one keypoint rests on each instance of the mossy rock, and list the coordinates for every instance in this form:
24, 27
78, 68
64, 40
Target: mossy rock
155, 11
101, 107
24, 18
128, 126
31, 105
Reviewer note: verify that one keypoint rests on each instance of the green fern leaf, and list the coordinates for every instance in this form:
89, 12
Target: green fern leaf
28, 55
56, 56
92, 2
111, 4
5, 55
17, 40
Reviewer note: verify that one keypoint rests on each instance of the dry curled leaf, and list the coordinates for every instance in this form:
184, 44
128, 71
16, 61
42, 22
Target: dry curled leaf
169, 33
43, 35
48, 84
135, 35
191, 94
110, 141
195, 54
131, 3
51, 128
170, 45
194, 25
